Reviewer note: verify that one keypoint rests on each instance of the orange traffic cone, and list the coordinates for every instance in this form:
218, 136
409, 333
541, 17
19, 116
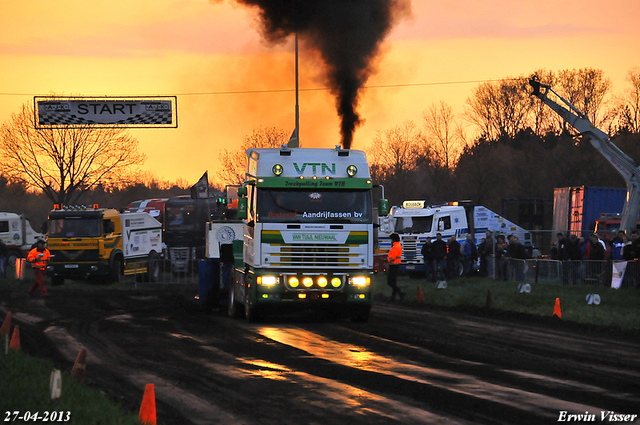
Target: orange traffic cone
420, 296
556, 309
489, 303
79, 366
6, 324
147, 413
15, 339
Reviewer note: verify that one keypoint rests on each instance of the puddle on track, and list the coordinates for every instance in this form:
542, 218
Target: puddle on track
360, 358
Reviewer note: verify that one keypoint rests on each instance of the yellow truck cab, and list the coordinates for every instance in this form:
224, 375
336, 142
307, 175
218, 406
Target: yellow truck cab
101, 243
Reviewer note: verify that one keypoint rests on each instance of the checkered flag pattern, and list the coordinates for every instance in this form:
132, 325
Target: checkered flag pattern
57, 118
100, 113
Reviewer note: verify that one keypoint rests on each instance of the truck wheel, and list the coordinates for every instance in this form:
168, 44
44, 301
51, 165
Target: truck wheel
153, 267
252, 314
57, 280
10, 265
114, 271
234, 307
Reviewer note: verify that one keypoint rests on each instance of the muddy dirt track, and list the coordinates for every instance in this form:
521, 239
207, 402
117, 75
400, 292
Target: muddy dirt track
410, 364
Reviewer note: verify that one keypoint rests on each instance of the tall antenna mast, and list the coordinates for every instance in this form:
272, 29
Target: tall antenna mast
297, 104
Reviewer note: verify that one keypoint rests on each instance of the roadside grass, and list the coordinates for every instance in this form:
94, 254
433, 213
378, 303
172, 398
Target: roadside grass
24, 387
619, 308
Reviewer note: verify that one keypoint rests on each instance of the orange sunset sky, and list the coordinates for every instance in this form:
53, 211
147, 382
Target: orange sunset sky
211, 55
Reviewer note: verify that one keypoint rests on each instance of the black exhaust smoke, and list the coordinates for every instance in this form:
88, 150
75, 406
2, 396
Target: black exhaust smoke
347, 33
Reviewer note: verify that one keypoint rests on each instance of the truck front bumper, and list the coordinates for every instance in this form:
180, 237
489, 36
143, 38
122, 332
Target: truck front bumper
77, 270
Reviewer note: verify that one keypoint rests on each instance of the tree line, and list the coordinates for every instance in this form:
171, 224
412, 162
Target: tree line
506, 144
520, 148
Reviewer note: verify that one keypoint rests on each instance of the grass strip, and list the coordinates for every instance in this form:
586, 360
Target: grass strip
619, 308
24, 387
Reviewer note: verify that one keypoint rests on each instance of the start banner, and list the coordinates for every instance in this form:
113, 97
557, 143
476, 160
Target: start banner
62, 112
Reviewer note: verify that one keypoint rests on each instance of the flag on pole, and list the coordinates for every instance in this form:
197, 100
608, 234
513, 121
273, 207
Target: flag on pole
293, 140
200, 190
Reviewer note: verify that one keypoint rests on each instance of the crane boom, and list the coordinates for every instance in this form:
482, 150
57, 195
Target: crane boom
599, 140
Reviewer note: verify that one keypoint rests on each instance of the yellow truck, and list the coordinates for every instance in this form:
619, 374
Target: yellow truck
103, 244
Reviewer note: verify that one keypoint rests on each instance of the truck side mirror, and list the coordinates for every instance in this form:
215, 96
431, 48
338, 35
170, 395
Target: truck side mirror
242, 191
243, 204
383, 207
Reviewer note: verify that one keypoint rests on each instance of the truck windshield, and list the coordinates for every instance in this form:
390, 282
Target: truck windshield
414, 224
314, 206
181, 215
75, 227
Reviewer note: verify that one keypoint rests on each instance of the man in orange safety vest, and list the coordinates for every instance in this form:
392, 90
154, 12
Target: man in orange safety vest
393, 258
38, 257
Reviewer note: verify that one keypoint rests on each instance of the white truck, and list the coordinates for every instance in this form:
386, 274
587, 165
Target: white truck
19, 237
308, 233
416, 221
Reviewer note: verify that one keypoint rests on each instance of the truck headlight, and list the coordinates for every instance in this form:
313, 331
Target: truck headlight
267, 280
360, 281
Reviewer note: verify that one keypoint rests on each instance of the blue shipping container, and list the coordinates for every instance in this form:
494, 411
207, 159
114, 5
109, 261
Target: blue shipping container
576, 209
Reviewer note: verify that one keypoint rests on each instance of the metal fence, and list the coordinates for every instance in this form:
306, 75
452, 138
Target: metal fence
566, 272
187, 274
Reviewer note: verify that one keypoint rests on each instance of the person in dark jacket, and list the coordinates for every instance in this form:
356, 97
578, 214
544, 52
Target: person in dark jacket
453, 257
439, 249
427, 255
482, 267
4, 252
469, 255
596, 257
517, 253
573, 263
488, 252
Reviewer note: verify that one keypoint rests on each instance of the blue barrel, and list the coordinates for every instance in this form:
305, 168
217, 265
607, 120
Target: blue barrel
209, 281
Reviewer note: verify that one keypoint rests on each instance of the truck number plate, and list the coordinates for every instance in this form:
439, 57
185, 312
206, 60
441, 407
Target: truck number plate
70, 266
411, 267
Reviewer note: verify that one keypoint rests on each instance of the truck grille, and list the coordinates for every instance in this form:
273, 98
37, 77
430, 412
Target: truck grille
314, 255
410, 249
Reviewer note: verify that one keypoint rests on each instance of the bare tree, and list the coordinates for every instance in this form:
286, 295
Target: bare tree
392, 158
629, 103
586, 89
443, 136
66, 162
395, 150
234, 162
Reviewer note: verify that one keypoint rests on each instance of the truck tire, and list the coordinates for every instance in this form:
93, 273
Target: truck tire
234, 306
251, 313
10, 265
115, 271
153, 267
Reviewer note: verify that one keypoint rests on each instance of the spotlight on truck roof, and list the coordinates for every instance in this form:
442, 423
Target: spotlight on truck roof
352, 170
